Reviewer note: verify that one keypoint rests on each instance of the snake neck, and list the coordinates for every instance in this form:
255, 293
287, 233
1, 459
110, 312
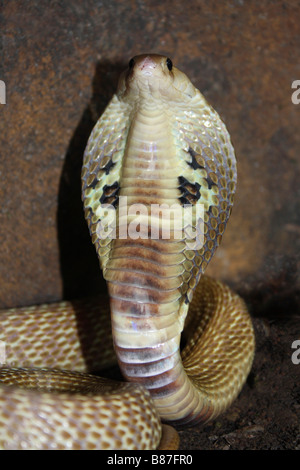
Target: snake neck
144, 275
159, 144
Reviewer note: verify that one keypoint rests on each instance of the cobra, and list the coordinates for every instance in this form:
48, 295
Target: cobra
157, 142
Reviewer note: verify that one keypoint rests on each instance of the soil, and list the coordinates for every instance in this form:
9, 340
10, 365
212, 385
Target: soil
266, 414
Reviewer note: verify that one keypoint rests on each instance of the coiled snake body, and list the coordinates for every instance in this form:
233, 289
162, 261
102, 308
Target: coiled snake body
158, 144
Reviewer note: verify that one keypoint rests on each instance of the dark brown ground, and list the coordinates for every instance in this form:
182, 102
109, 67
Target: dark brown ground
266, 414
60, 62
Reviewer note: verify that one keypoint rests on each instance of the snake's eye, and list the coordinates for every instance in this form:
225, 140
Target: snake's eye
131, 63
169, 64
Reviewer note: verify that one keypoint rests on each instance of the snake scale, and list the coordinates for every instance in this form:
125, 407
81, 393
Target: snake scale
157, 144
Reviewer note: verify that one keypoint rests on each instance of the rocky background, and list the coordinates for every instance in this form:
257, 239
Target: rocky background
60, 62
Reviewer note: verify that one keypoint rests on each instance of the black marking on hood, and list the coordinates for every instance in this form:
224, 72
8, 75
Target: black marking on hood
190, 193
110, 194
194, 164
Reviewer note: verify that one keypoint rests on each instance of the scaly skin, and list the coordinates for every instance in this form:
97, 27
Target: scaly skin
172, 148
158, 142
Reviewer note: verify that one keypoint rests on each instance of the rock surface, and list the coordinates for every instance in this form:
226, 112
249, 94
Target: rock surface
60, 64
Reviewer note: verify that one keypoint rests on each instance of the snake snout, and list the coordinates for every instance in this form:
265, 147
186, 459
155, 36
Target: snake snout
147, 66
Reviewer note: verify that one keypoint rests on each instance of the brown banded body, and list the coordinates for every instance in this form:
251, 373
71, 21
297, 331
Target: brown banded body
164, 147
158, 181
